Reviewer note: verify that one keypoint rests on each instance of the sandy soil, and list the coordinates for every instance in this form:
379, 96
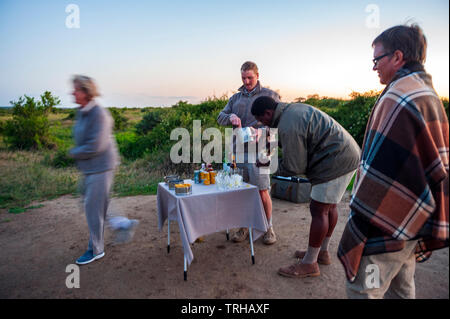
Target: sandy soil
36, 246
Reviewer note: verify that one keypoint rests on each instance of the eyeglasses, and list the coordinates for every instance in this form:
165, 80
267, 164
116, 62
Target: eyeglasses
378, 58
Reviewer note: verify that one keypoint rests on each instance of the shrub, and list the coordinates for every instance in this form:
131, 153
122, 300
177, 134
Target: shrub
131, 146
149, 121
153, 132
321, 102
29, 127
445, 102
354, 114
120, 121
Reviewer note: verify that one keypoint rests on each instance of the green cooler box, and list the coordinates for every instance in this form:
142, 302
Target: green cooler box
294, 189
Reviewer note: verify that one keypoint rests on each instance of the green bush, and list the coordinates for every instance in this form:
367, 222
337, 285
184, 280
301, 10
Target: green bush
29, 127
153, 131
354, 114
321, 102
445, 102
131, 146
120, 121
149, 121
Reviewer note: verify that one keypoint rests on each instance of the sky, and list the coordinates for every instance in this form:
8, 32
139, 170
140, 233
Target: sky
155, 53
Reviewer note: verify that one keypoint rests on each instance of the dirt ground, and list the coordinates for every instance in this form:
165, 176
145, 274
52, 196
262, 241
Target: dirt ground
37, 245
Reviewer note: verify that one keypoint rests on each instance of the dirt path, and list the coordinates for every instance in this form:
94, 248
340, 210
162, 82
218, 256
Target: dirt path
36, 246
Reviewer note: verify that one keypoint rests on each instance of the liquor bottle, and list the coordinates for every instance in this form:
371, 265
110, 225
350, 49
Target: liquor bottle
233, 165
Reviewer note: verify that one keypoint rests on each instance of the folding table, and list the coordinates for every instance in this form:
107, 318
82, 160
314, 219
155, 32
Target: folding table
208, 210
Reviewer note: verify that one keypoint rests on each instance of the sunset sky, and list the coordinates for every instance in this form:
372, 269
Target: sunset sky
155, 53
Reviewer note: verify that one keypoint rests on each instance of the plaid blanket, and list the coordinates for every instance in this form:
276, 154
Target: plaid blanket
401, 187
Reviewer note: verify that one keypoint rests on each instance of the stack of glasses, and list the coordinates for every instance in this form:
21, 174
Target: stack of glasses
226, 180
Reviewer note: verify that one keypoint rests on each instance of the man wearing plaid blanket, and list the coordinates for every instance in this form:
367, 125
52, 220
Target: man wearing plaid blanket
399, 206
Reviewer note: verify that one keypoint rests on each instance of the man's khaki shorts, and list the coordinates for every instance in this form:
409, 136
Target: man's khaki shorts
331, 192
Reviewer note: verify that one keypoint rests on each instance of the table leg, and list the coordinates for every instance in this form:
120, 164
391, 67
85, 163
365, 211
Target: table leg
251, 244
168, 236
185, 268
228, 235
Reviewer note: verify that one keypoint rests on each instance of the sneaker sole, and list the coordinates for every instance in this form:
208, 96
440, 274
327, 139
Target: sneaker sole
269, 242
93, 259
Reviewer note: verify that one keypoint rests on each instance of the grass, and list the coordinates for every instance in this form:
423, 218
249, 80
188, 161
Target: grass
62, 134
25, 177
19, 210
134, 178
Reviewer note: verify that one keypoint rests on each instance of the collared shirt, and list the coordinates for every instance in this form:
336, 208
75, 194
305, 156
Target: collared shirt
88, 106
240, 104
252, 92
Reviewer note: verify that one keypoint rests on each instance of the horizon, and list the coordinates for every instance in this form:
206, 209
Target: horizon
202, 100
151, 54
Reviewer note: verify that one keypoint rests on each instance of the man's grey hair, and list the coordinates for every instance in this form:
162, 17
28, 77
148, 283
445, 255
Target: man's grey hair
86, 84
409, 39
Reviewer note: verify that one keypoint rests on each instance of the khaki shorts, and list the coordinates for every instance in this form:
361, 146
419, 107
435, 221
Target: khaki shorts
255, 176
332, 191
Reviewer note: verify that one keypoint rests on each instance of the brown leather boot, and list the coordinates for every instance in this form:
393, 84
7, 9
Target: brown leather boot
300, 270
323, 259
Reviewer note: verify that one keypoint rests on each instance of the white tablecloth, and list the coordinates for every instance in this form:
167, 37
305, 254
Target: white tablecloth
209, 210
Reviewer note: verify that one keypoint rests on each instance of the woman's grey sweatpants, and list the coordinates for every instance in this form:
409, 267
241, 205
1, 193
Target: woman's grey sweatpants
96, 199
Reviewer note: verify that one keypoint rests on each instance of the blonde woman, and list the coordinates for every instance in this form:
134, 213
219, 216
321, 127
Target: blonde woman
96, 156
